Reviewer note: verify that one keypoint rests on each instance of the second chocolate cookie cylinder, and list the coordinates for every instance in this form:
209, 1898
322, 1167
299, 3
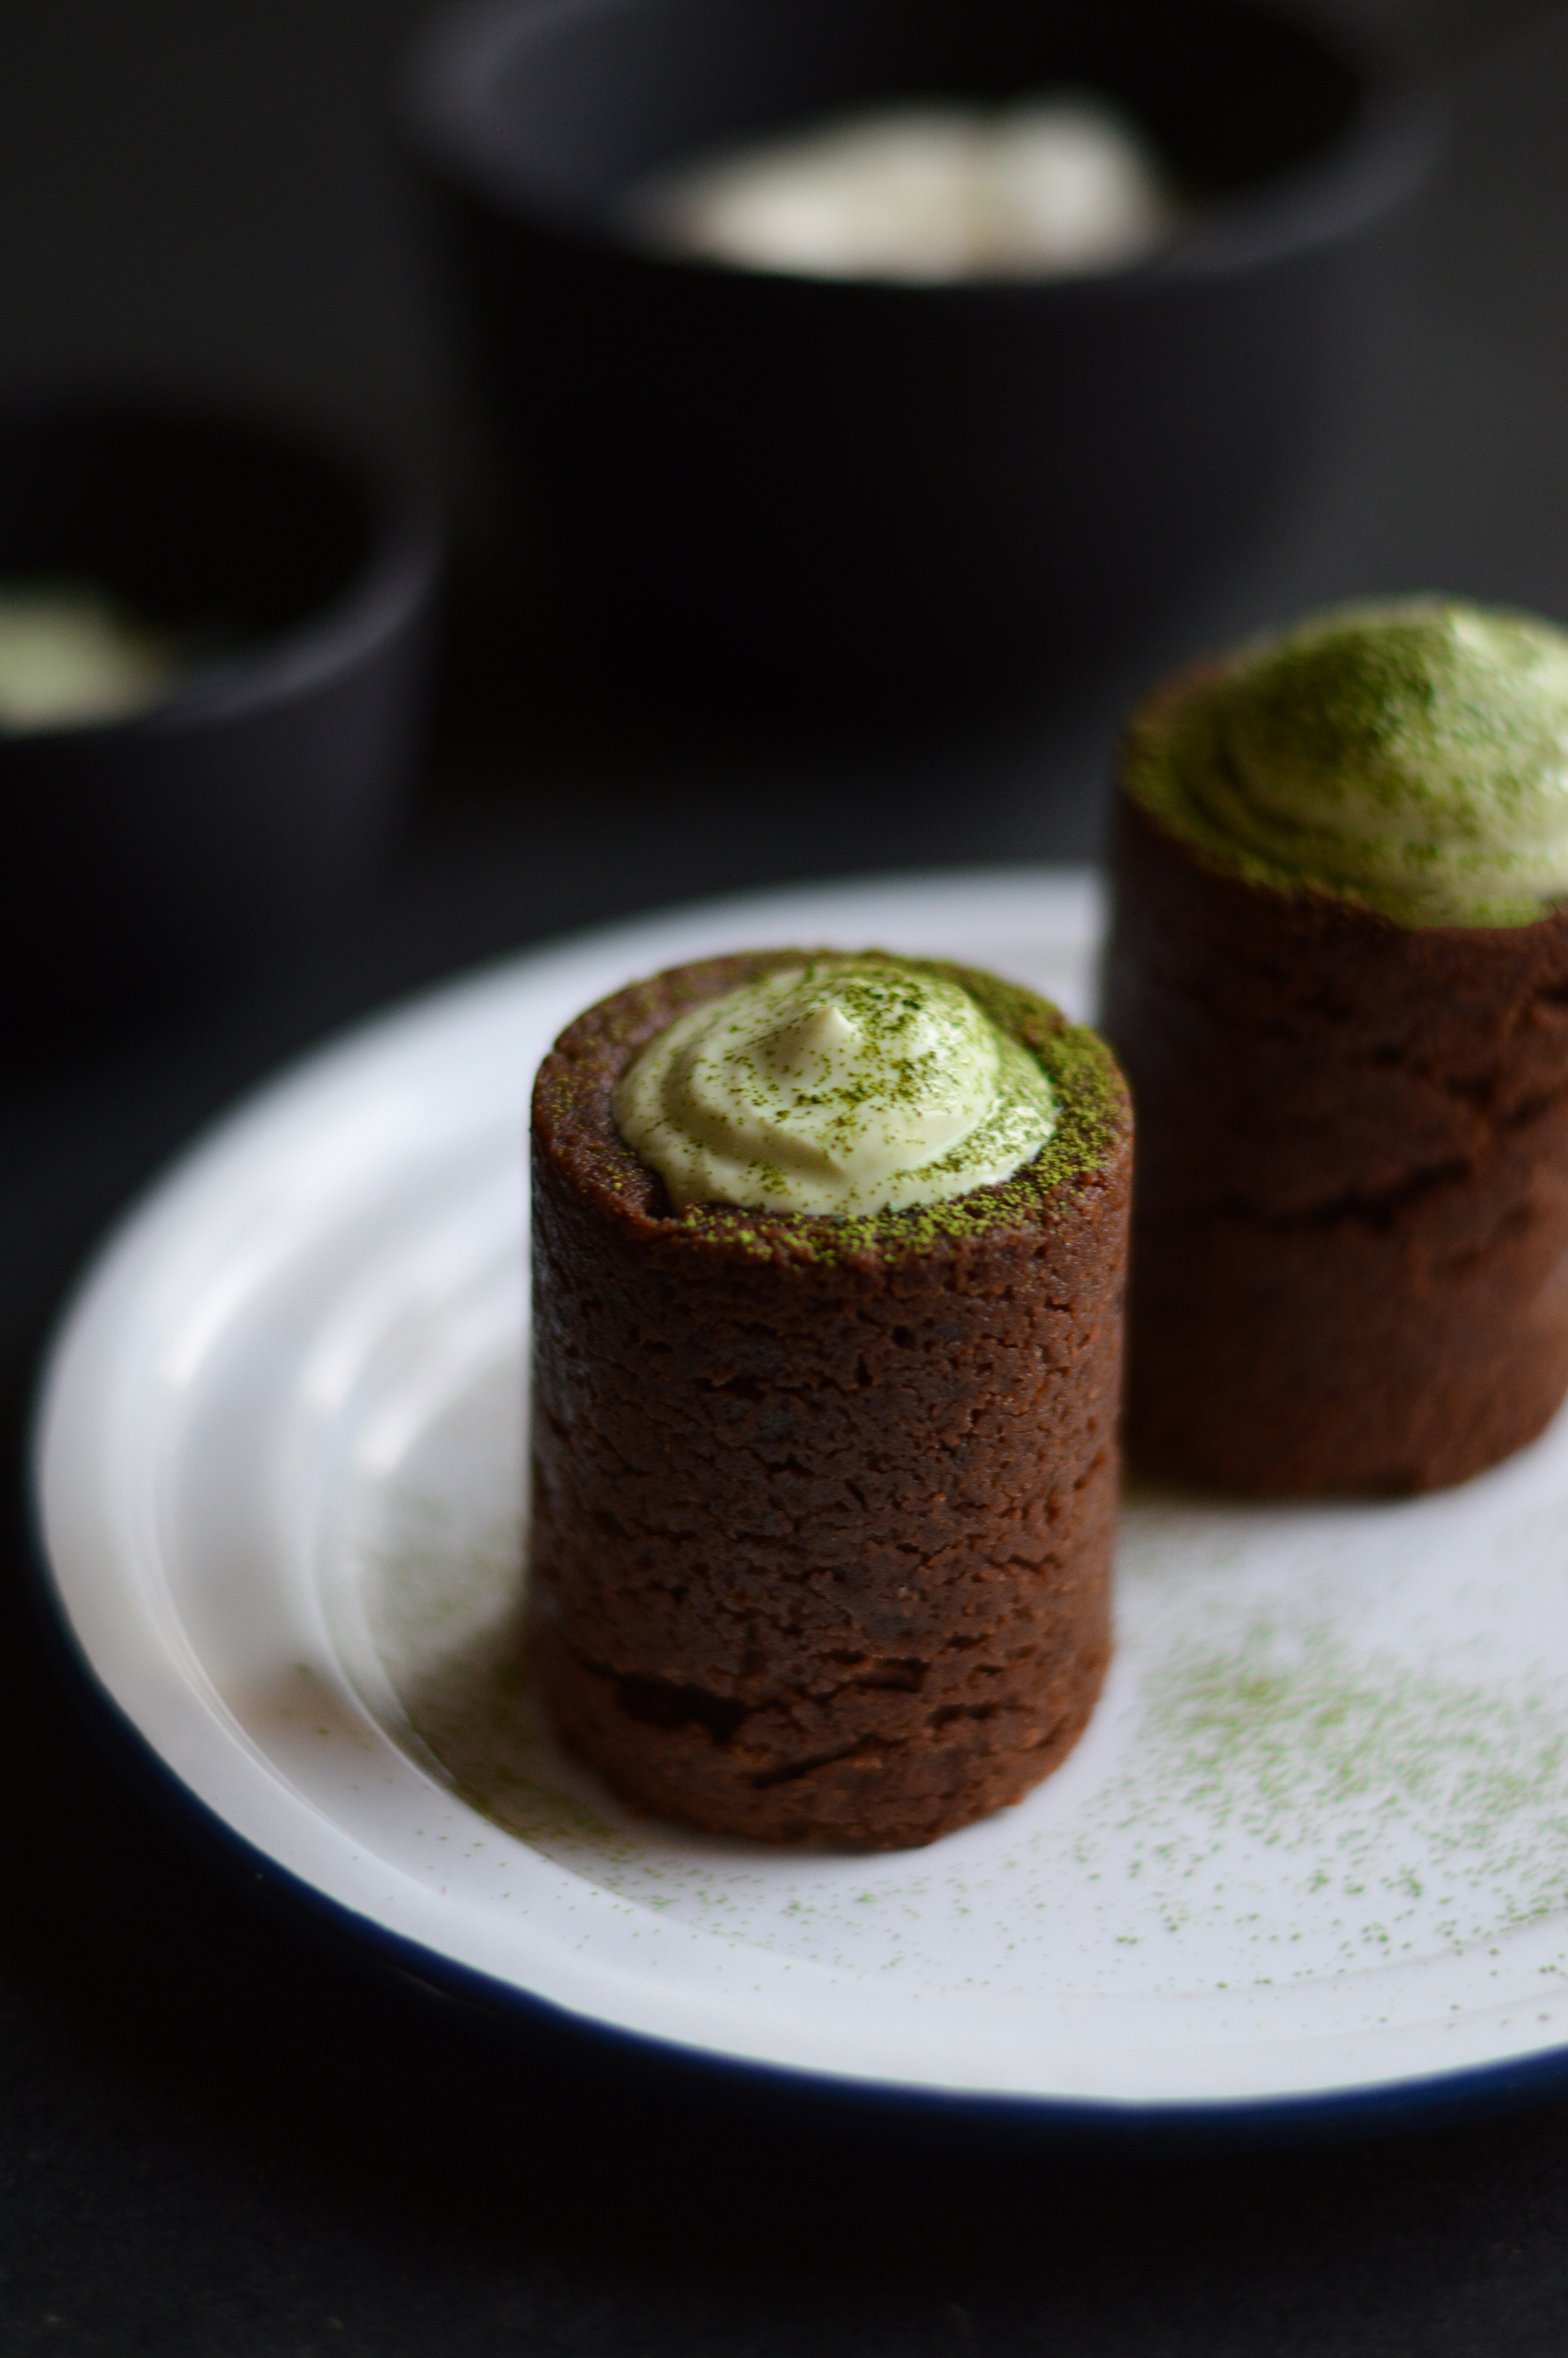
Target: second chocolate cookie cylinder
1350, 1235
823, 1511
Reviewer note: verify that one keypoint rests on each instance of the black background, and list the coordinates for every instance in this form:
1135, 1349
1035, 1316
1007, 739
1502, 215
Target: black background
217, 2141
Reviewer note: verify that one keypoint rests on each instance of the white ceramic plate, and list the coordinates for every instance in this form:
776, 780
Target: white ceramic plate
1312, 1854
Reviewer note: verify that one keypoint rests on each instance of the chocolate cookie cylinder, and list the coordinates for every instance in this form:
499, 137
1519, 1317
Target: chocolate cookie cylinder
823, 1508
1351, 1232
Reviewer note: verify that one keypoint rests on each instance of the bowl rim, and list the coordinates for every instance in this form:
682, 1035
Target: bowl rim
445, 106
392, 581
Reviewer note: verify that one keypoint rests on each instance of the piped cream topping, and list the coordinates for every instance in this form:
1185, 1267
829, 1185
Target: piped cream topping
1412, 757
845, 1085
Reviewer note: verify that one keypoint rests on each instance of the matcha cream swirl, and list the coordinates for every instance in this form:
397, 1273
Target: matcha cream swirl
1410, 757
844, 1086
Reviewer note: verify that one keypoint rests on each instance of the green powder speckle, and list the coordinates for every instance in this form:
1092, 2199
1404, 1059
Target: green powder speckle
1411, 758
842, 1085
1091, 1117
1286, 1738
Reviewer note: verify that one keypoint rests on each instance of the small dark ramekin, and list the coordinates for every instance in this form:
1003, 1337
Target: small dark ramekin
236, 818
744, 478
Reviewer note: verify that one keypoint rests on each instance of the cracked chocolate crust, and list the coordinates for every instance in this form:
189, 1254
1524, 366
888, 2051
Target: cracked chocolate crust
1350, 1231
823, 1511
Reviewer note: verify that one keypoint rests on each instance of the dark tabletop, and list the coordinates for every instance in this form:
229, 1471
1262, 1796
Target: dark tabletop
216, 2139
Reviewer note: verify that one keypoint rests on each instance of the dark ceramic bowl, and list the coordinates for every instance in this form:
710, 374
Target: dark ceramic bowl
735, 477
237, 816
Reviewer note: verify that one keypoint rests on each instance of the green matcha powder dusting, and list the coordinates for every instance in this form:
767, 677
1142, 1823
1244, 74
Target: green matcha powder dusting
1411, 758
992, 1096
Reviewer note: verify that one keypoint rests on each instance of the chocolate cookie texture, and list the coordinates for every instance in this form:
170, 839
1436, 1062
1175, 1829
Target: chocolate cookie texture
1350, 1237
823, 1508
